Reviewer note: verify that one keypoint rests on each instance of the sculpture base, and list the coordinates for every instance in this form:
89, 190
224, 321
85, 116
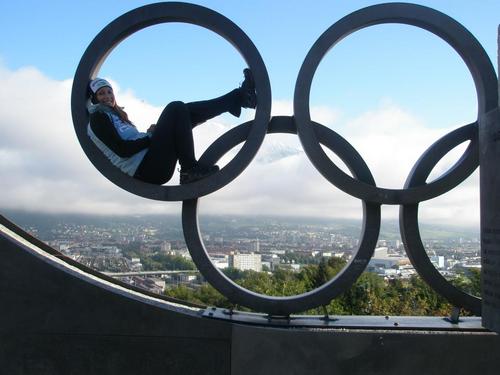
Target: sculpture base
57, 319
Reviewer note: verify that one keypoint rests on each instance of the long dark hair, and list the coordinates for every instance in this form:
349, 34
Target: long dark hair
119, 110
122, 114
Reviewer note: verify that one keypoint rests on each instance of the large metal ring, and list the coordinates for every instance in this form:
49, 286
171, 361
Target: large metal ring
408, 221
317, 297
136, 20
431, 20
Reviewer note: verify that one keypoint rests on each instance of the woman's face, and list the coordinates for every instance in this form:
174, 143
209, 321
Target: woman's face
106, 96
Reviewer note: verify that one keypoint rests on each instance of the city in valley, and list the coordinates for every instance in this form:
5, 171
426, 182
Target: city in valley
150, 252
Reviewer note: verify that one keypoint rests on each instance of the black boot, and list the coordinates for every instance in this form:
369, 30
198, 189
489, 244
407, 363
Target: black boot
248, 96
245, 95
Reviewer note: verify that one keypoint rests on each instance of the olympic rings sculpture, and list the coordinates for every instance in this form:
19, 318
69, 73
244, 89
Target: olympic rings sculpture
141, 18
311, 134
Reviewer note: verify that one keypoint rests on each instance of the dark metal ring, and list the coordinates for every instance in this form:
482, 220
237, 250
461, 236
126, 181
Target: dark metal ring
317, 297
431, 20
138, 19
408, 221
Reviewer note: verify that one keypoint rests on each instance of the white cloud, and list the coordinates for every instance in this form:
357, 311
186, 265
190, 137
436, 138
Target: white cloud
44, 168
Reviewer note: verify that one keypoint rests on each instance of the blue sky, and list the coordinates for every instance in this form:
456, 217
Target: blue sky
384, 72
53, 35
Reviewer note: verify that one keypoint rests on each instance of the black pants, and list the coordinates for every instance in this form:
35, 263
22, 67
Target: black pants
172, 138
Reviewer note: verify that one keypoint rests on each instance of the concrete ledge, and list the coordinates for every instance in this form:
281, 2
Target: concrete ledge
111, 354
279, 351
56, 319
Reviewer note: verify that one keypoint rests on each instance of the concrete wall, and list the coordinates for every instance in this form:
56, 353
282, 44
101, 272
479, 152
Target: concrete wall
56, 319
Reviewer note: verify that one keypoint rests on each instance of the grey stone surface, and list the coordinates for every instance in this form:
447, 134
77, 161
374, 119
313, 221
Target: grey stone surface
49, 354
55, 319
257, 350
489, 140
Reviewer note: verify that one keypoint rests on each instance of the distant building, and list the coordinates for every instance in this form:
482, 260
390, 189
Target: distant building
245, 262
166, 247
183, 253
135, 264
256, 246
271, 261
220, 260
382, 243
438, 261
332, 239
405, 272
469, 266
154, 285
184, 278
451, 263
157, 284
291, 266
382, 260
278, 252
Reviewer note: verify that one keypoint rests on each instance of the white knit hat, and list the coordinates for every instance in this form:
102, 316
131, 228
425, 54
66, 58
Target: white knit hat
97, 83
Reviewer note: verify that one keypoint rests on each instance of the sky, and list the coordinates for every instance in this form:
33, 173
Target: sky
390, 90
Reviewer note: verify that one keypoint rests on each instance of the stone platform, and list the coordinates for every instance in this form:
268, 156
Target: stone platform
56, 317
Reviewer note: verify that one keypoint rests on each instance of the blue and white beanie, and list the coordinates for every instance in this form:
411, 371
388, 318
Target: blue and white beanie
98, 83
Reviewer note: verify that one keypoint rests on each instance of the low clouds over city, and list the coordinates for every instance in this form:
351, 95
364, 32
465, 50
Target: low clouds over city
43, 168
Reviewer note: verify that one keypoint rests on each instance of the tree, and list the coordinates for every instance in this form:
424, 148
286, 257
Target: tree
323, 274
163, 262
205, 295
369, 295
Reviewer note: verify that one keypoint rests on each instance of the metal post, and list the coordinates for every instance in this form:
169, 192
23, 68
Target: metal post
489, 141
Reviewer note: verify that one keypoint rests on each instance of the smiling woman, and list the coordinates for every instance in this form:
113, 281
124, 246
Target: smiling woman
152, 156
176, 113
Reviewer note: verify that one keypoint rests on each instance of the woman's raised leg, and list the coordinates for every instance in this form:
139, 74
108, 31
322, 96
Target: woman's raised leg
232, 102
